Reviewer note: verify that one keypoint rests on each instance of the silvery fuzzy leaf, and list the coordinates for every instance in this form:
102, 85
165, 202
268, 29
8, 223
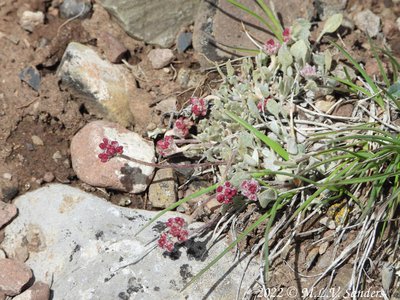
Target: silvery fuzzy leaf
264, 90
269, 160
266, 197
255, 156
239, 177
311, 85
273, 107
249, 160
301, 30
253, 108
300, 51
275, 128
328, 60
394, 89
292, 146
257, 91
332, 24
319, 60
229, 69
246, 139
284, 57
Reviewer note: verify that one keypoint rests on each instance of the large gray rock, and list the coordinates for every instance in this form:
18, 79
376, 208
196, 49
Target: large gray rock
153, 21
110, 85
219, 24
83, 243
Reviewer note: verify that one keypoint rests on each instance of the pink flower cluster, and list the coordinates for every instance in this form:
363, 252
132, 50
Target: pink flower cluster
308, 71
110, 149
226, 192
199, 106
250, 188
272, 47
177, 233
166, 146
182, 126
262, 105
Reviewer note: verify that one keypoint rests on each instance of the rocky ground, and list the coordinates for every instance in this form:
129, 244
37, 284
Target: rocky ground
74, 72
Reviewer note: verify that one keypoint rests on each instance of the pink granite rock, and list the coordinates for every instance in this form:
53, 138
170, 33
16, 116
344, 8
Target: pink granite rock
117, 173
14, 276
7, 213
38, 291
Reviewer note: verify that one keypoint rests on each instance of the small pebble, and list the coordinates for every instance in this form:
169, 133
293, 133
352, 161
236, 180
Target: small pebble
48, 177
37, 140
160, 58
57, 156
7, 176
72, 8
31, 76
29, 20
184, 41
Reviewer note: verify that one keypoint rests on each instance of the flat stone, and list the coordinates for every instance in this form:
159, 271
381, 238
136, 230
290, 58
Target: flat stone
168, 105
29, 20
345, 110
184, 41
368, 22
111, 86
323, 105
151, 21
118, 173
38, 291
162, 190
31, 76
7, 213
37, 140
219, 24
160, 58
73, 8
91, 242
14, 276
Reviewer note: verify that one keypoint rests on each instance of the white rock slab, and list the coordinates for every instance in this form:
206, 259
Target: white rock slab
82, 242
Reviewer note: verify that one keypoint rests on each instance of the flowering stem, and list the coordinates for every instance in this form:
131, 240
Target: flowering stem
172, 166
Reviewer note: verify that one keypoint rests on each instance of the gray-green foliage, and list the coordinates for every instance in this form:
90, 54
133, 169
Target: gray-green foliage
276, 78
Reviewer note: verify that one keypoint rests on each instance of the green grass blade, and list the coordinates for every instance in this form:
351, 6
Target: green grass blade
354, 87
176, 204
271, 16
252, 13
379, 61
364, 74
275, 146
394, 62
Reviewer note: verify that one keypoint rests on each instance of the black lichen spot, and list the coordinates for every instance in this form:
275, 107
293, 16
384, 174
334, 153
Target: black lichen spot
185, 272
159, 227
76, 249
109, 278
121, 259
99, 234
197, 249
134, 286
156, 289
131, 176
123, 296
